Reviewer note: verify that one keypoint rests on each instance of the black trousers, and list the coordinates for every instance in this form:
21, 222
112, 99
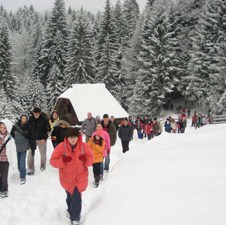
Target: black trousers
97, 171
74, 203
125, 146
54, 144
4, 169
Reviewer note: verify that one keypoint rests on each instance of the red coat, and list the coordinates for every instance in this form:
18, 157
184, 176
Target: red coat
74, 173
183, 115
194, 119
148, 128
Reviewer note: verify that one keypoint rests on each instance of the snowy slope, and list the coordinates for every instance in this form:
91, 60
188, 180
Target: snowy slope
171, 180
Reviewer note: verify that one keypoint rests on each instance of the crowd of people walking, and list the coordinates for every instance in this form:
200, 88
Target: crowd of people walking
71, 155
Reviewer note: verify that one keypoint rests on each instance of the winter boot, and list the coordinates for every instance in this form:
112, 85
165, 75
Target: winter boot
101, 177
4, 194
75, 222
31, 173
42, 168
95, 184
68, 215
22, 181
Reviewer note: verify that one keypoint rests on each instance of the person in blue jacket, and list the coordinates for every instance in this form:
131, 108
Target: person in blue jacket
167, 126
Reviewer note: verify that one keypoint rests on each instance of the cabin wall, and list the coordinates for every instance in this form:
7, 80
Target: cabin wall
66, 111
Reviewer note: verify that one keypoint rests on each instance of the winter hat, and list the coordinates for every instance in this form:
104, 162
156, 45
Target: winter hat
72, 132
37, 110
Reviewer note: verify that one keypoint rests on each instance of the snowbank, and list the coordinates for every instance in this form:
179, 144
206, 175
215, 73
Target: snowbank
175, 179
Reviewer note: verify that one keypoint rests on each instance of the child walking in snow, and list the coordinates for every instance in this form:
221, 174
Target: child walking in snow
97, 144
107, 148
4, 161
72, 157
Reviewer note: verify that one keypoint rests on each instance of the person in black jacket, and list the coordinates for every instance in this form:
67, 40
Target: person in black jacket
40, 128
59, 132
125, 134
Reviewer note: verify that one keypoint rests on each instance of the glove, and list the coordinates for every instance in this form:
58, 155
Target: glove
82, 158
67, 158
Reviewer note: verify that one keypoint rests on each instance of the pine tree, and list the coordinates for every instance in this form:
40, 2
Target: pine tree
203, 56
6, 107
155, 78
131, 16
55, 86
3, 16
178, 64
37, 95
24, 92
96, 29
130, 62
186, 13
51, 52
31, 94
80, 61
7, 80
130, 66
107, 51
217, 93
120, 24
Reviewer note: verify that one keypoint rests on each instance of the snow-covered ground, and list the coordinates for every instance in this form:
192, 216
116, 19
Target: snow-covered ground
174, 179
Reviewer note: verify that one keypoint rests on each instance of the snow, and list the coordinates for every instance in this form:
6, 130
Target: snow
173, 179
95, 98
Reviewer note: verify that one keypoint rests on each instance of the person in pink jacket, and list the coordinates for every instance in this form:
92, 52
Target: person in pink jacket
72, 157
107, 140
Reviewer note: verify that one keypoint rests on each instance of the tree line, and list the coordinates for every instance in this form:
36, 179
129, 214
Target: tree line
146, 59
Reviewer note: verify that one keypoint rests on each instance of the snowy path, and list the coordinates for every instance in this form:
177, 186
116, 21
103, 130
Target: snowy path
171, 180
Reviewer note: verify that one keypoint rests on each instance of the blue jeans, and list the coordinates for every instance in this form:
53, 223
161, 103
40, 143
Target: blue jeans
139, 134
74, 203
105, 164
21, 160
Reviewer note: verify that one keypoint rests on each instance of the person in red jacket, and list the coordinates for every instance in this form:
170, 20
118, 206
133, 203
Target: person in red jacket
72, 157
194, 120
149, 130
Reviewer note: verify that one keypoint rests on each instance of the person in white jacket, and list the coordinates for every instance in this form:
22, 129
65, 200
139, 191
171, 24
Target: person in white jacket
4, 160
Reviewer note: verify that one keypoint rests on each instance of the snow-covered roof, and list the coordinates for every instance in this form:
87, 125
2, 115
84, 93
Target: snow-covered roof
94, 98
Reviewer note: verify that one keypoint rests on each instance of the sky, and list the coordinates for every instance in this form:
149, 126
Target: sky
43, 5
